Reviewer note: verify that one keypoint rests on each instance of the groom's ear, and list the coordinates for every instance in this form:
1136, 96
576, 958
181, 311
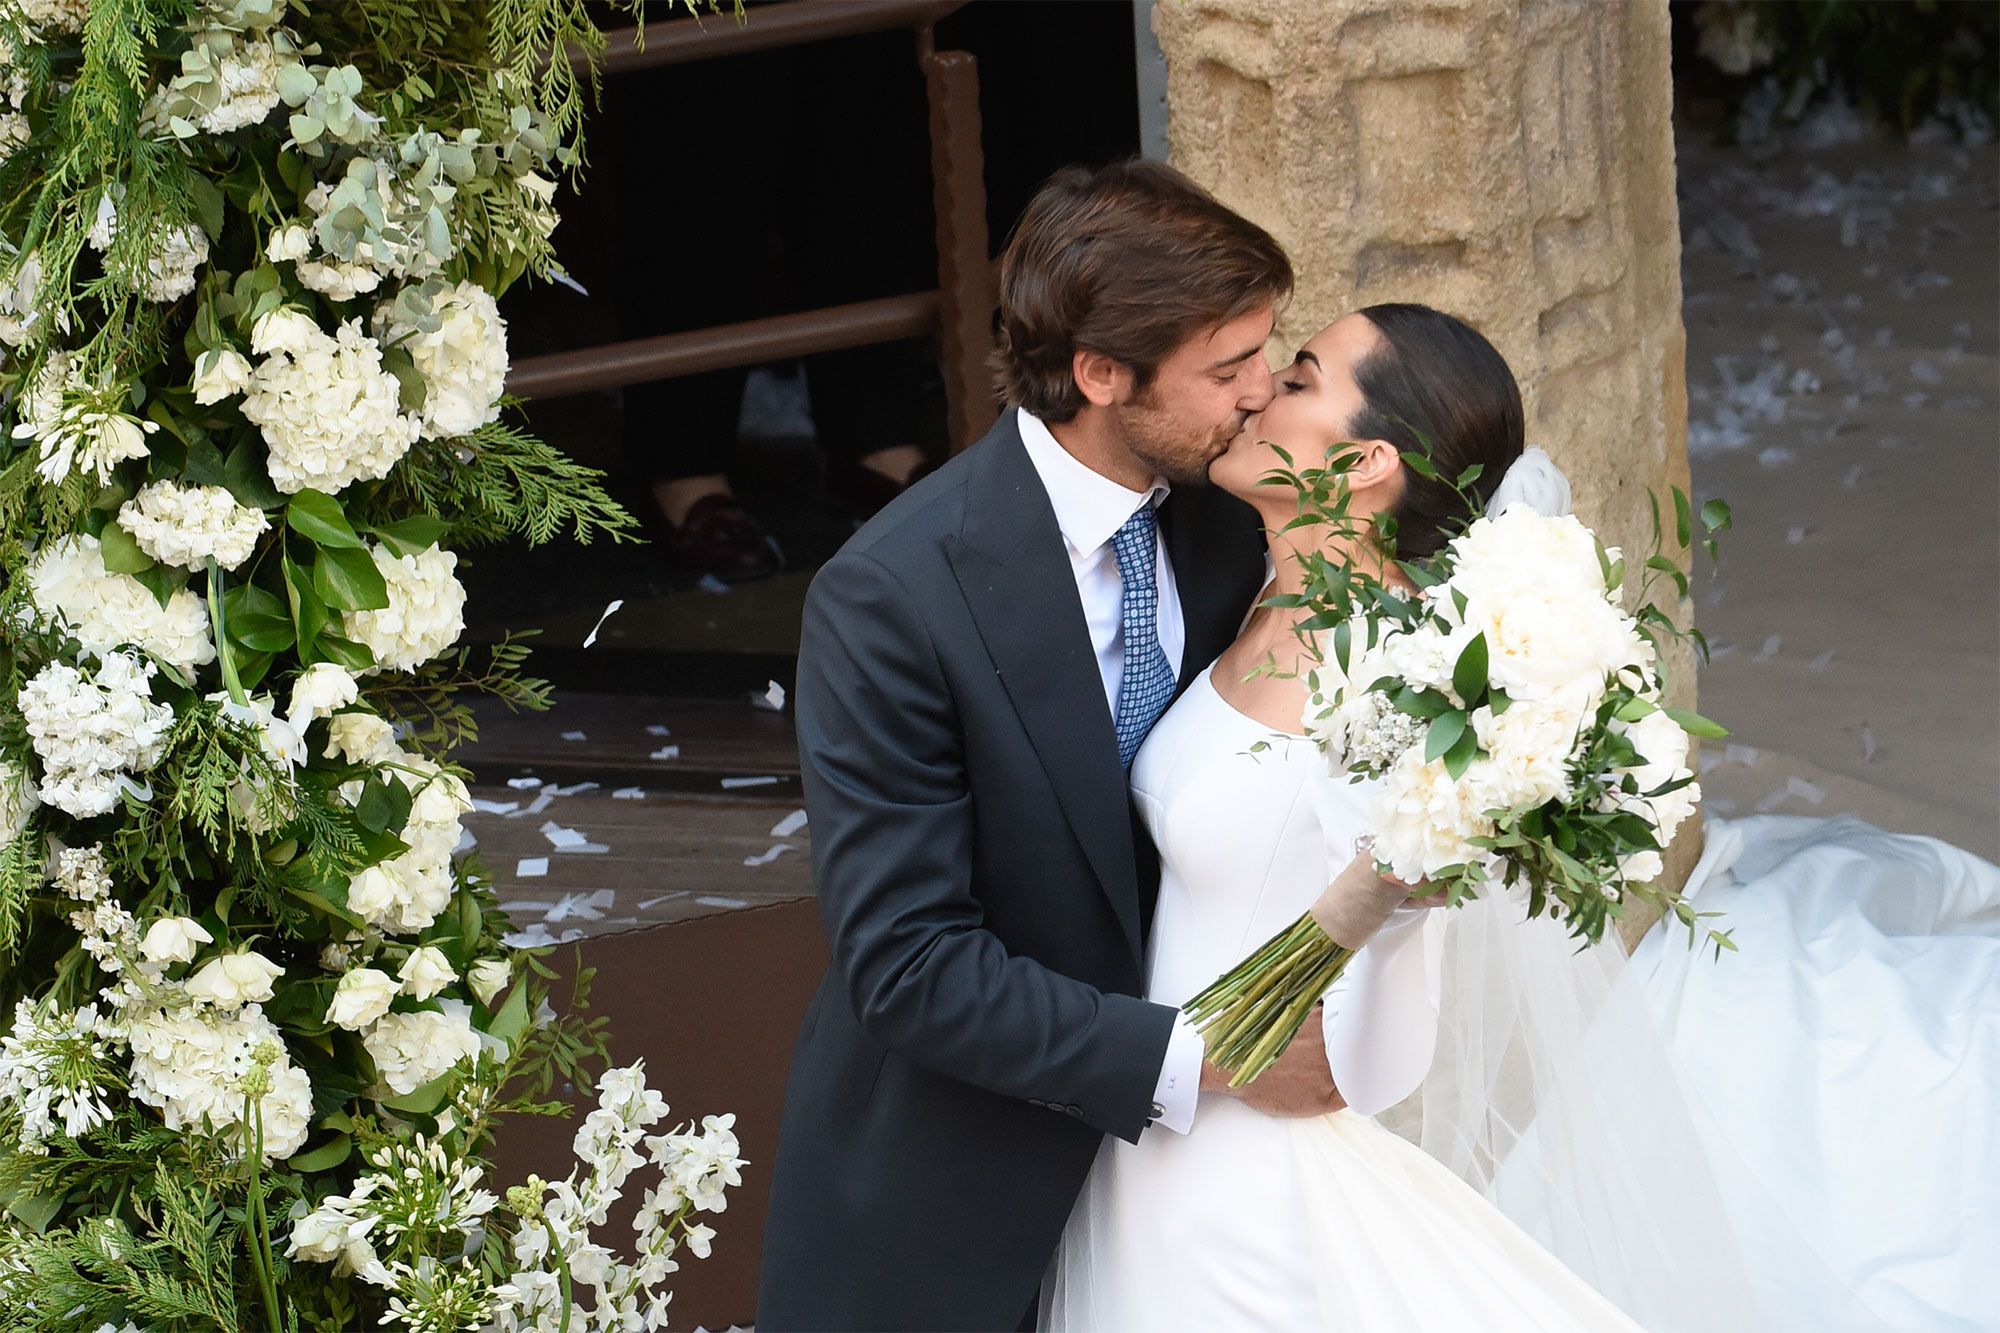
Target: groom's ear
1099, 378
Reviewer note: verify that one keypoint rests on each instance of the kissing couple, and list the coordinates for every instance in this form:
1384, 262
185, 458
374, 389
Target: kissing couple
1053, 797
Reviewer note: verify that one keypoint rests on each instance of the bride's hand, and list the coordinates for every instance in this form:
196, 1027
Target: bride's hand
1421, 894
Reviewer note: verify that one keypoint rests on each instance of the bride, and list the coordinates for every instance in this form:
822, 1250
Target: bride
1552, 1100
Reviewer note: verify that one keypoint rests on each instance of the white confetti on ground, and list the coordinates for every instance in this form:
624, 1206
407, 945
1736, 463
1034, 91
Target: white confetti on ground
722, 902
573, 789
732, 784
524, 784
537, 937
582, 906
484, 806
1770, 648
771, 698
655, 729
1821, 663
629, 794
591, 637
531, 867
789, 825
666, 752
651, 903
765, 858
574, 736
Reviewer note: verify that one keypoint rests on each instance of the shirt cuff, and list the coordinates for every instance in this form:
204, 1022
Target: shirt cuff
1180, 1077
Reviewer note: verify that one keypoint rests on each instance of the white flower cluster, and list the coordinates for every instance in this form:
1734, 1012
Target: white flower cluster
80, 427
695, 1169
1556, 639
54, 16
92, 732
405, 894
425, 614
14, 130
110, 933
19, 293
53, 1069
1663, 745
1730, 36
70, 586
282, 745
409, 1050
317, 692
184, 525
177, 254
461, 350
327, 408
403, 238
414, 1187
207, 1059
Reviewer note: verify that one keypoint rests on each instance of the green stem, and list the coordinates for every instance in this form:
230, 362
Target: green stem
260, 1225
555, 1247
222, 650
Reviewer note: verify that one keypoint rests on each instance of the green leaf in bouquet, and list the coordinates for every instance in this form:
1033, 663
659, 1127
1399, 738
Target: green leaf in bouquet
1420, 465
348, 579
1470, 475
346, 652
410, 381
384, 806
1634, 708
1683, 519
36, 1211
1460, 756
427, 1099
323, 1158
1694, 724
208, 203
1715, 516
1614, 578
1653, 507
413, 535
300, 1006
1458, 600
262, 633
512, 1020
1445, 732
1418, 574
1498, 700
1468, 677
1671, 570
163, 581
1425, 705
245, 476
318, 517
121, 553
204, 464
309, 613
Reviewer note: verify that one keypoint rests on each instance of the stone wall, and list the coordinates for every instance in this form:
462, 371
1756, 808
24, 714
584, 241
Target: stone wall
1510, 161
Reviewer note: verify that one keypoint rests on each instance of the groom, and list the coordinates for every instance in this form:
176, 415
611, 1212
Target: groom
977, 669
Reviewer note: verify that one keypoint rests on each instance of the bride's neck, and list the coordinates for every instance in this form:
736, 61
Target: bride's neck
1357, 553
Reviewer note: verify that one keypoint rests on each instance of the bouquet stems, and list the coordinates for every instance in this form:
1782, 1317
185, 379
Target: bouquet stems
1251, 1013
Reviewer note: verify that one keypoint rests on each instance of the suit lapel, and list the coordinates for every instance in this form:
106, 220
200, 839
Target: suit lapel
1014, 570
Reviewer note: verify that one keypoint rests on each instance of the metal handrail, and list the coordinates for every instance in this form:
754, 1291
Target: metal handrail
696, 38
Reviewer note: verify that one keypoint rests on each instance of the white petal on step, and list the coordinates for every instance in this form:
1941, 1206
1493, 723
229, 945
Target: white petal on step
666, 752
574, 736
651, 903
722, 902
1795, 536
1821, 663
484, 806
765, 858
629, 794
524, 784
789, 825
1740, 754
591, 637
732, 784
1805, 791
771, 698
1867, 742
655, 729
531, 867
571, 790
1770, 648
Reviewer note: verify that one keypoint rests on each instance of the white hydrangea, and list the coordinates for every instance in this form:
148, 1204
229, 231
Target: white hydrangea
247, 88
80, 427
405, 894
463, 360
219, 373
189, 1062
426, 611
69, 584
326, 407
409, 1050
92, 731
14, 132
184, 525
177, 255
54, 16
110, 934
318, 691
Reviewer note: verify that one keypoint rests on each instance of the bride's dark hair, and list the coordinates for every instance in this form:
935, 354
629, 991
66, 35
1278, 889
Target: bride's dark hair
1435, 386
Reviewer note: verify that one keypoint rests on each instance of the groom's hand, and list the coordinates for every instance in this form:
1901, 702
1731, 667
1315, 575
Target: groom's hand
1299, 1083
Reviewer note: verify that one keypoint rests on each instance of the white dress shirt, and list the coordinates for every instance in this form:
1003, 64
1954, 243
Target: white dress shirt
1090, 509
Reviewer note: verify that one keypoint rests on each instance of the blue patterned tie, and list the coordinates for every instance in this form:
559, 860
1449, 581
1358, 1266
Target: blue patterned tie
1148, 682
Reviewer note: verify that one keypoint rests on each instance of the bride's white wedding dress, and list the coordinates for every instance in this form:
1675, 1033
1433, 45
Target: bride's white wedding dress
1255, 1222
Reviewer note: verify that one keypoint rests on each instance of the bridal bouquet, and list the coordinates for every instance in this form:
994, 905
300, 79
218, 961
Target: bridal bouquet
1513, 713
257, 1019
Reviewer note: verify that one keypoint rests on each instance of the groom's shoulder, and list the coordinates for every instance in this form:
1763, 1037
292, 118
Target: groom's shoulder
909, 535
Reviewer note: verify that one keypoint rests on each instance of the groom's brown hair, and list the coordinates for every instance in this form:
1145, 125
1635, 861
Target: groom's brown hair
1128, 261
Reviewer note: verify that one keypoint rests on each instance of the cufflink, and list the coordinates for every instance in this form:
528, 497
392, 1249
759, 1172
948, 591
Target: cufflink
1158, 1112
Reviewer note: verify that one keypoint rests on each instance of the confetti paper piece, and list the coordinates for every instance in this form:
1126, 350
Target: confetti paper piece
789, 825
591, 637
537, 937
1795, 536
582, 906
1740, 754
1770, 648
574, 736
772, 698
487, 807
651, 903
1854, 476
765, 858
573, 789
655, 729
1804, 790
666, 752
1821, 663
712, 585
731, 784
1867, 743
531, 867
629, 794
543, 800
1775, 457
722, 902
524, 784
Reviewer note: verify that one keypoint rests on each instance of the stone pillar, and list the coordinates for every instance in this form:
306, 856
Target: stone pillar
1509, 161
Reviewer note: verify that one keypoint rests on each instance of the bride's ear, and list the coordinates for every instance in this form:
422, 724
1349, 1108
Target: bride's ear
1380, 464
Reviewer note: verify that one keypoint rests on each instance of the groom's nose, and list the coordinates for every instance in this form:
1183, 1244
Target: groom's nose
1258, 386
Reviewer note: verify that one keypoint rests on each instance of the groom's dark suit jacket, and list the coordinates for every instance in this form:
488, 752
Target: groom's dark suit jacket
986, 893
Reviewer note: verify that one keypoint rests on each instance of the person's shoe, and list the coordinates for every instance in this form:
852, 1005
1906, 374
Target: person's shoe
862, 490
718, 536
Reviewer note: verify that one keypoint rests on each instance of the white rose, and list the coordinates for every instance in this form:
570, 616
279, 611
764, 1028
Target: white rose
174, 939
488, 977
221, 372
318, 690
361, 997
284, 330
360, 738
426, 972
233, 980
409, 1050
291, 242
